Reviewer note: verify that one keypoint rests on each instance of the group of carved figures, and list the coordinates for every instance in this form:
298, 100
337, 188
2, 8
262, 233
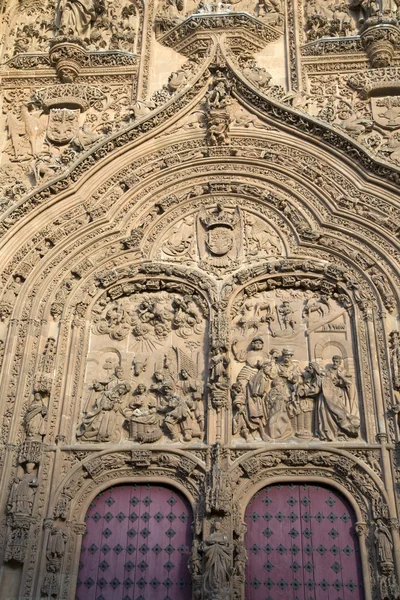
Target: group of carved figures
166, 407
273, 398
339, 18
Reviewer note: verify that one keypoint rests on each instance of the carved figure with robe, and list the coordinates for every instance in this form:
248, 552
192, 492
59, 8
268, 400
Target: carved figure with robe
241, 423
143, 416
308, 391
193, 388
56, 544
75, 17
34, 419
180, 416
98, 424
217, 550
336, 412
384, 543
22, 493
255, 377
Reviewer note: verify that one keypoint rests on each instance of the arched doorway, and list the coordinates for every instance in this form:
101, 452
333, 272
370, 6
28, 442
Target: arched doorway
137, 545
302, 545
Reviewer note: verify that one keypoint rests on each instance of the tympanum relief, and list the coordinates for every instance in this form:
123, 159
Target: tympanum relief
145, 370
293, 368
219, 239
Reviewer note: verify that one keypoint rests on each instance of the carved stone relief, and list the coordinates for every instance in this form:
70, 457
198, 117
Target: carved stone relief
299, 374
145, 370
199, 284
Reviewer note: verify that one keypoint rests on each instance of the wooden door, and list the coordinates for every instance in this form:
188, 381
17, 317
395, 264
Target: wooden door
302, 545
137, 545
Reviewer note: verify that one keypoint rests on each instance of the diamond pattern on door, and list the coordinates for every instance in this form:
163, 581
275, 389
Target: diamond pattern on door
309, 550
136, 546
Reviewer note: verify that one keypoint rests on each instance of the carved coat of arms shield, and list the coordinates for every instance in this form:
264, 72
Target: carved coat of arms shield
63, 125
386, 111
220, 240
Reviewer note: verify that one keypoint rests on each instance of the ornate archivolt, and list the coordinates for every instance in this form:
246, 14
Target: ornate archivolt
208, 305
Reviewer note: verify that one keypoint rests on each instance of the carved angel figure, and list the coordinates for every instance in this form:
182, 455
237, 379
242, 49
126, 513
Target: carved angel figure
26, 134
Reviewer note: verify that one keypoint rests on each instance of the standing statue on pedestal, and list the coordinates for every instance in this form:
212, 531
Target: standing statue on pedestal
384, 544
34, 419
217, 551
22, 493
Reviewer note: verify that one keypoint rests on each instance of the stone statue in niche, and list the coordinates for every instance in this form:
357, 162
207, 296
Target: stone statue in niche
384, 544
98, 424
276, 396
22, 493
217, 550
54, 554
35, 418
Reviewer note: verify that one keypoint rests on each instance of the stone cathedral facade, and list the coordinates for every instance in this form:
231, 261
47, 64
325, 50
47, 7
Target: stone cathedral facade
199, 299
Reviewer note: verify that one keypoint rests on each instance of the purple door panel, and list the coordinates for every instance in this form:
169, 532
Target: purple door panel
137, 545
302, 545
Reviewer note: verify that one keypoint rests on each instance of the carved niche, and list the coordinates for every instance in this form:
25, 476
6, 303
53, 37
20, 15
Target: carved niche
145, 367
294, 366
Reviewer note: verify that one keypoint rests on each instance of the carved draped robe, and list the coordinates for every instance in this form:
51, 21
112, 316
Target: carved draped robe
34, 420
75, 17
334, 408
217, 568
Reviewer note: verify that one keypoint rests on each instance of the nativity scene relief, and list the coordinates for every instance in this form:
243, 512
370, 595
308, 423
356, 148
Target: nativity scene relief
145, 371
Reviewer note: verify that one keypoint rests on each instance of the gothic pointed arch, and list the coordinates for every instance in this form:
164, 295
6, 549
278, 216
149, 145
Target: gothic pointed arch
200, 276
